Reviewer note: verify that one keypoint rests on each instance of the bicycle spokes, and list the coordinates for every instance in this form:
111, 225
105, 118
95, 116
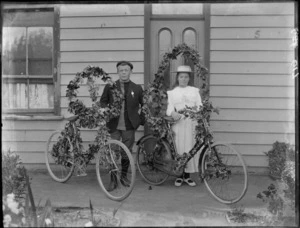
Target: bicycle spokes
224, 173
59, 158
149, 151
115, 170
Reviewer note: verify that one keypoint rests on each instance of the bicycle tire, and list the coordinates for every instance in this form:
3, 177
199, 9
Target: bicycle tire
145, 166
105, 173
58, 172
227, 189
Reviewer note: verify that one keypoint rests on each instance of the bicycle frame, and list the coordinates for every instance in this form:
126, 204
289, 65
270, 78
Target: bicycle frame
178, 162
182, 160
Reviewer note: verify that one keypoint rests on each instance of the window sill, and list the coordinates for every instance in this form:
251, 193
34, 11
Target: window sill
32, 117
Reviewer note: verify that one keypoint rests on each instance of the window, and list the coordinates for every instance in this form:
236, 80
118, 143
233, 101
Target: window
27, 61
189, 37
165, 45
178, 8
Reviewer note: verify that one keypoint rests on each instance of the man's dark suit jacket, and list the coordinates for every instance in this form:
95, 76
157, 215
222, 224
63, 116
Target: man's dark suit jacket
134, 100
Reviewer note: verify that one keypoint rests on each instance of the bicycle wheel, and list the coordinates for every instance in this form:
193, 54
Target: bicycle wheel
225, 173
145, 163
115, 170
60, 169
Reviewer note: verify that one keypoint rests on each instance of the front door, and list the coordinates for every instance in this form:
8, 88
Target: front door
165, 35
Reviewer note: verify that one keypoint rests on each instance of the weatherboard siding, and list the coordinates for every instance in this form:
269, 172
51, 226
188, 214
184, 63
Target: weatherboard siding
251, 76
98, 35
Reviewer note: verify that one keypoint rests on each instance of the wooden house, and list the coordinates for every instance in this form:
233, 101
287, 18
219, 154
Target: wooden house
249, 49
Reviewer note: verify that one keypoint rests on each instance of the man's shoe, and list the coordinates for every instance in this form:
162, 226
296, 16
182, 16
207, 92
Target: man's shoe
124, 181
112, 186
113, 182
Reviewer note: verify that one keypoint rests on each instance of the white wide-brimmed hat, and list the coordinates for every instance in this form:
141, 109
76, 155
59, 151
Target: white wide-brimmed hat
183, 69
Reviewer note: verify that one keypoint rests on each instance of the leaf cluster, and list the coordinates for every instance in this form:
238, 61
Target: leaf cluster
278, 155
89, 117
13, 175
275, 202
155, 96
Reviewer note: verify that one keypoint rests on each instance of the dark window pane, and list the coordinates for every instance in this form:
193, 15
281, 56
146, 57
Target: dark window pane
165, 42
14, 51
26, 18
189, 37
178, 8
40, 42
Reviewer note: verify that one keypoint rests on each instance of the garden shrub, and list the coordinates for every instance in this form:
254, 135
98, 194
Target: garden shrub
281, 199
13, 175
278, 155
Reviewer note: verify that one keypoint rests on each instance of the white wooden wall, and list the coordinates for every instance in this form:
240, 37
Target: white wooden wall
250, 72
100, 35
251, 76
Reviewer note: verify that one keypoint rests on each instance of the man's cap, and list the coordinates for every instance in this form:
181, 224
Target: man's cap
125, 63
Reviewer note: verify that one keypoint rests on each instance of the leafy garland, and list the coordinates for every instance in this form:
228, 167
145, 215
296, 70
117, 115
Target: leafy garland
156, 99
89, 117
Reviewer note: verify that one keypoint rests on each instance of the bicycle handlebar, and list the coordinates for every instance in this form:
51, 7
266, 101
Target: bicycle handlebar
72, 118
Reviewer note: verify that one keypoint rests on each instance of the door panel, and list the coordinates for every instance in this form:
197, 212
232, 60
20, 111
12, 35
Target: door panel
165, 35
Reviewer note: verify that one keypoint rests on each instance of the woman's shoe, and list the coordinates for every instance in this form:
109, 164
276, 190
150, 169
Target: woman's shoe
178, 182
190, 182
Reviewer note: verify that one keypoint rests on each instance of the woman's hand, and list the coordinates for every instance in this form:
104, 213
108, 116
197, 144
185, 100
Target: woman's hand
176, 116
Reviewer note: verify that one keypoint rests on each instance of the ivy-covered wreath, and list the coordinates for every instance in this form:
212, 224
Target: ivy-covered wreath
89, 117
156, 99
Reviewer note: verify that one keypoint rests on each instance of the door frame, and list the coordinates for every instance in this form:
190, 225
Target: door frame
148, 17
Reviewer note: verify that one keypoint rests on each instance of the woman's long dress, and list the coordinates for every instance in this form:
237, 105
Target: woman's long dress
184, 129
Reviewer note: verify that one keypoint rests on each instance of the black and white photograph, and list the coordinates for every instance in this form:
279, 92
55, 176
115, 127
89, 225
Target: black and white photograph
150, 113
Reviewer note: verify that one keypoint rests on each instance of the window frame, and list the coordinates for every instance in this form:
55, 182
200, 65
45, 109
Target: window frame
44, 79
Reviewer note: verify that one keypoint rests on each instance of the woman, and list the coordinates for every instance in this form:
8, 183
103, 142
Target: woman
178, 98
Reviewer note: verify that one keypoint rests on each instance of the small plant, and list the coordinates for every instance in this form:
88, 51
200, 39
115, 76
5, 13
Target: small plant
275, 202
13, 211
13, 175
93, 220
278, 155
17, 195
288, 179
238, 215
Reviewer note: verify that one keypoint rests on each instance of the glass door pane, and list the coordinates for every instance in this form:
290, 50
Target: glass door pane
179, 8
165, 45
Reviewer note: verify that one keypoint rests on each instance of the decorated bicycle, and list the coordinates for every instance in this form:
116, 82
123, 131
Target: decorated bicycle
65, 153
221, 167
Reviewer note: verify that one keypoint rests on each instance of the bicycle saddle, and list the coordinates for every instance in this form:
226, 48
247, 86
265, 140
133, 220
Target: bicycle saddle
72, 118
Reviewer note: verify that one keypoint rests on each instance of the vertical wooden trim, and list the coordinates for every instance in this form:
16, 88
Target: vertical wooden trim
296, 107
206, 9
147, 49
56, 60
27, 68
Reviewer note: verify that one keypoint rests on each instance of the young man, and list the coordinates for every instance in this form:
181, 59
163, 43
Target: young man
124, 127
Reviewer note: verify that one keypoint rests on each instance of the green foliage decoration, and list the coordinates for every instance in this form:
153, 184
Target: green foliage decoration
156, 99
89, 117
